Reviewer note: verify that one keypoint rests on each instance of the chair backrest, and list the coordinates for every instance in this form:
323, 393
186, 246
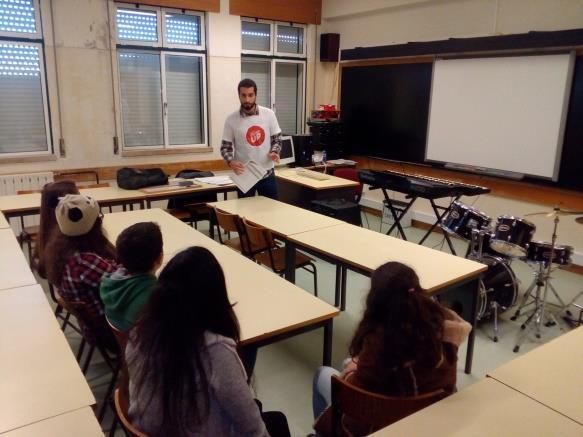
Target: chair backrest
229, 222
101, 335
371, 409
122, 406
259, 237
124, 379
350, 174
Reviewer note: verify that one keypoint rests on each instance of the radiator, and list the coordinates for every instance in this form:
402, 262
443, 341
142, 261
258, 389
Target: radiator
12, 184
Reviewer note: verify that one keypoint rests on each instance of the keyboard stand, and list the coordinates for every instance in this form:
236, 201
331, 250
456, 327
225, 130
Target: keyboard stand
399, 213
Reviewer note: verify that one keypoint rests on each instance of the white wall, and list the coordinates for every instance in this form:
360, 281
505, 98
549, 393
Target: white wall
79, 72
384, 22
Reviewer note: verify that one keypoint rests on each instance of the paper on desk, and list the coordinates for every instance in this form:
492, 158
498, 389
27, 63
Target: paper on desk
215, 180
253, 173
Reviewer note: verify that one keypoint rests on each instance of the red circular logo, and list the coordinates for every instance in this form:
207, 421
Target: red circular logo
255, 136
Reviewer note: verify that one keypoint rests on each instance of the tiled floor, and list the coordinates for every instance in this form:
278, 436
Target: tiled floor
284, 371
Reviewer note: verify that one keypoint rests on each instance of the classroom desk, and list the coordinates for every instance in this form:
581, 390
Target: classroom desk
76, 423
14, 269
281, 218
40, 376
301, 190
486, 408
550, 374
20, 205
268, 307
3, 222
151, 194
362, 250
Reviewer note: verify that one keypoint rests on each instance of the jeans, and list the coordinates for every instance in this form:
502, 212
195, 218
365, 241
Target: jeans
322, 389
265, 187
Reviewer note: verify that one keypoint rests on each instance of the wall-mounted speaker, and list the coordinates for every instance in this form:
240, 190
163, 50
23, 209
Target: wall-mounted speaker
329, 47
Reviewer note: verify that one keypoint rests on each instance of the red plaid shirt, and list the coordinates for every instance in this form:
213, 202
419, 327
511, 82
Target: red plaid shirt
82, 277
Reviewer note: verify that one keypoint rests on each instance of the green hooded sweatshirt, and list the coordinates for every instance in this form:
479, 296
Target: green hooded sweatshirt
124, 295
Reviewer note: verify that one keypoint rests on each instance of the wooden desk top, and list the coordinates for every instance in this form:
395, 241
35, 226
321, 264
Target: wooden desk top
266, 304
486, 408
40, 377
281, 218
196, 188
14, 269
3, 222
80, 422
31, 202
552, 374
291, 175
367, 250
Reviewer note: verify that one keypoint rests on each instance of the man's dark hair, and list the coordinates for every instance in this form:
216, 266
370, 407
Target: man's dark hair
247, 83
139, 246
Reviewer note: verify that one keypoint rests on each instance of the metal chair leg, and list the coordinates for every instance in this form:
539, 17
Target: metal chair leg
80, 350
88, 360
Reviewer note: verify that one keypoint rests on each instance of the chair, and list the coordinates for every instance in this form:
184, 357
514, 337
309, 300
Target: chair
231, 223
351, 174
350, 403
97, 335
28, 234
122, 391
266, 252
121, 409
192, 208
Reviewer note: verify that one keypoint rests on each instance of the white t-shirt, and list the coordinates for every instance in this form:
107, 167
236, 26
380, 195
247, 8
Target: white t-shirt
251, 135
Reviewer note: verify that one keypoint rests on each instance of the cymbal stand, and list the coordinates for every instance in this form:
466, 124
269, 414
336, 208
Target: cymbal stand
542, 279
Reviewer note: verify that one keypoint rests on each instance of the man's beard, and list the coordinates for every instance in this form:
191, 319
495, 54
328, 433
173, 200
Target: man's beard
247, 106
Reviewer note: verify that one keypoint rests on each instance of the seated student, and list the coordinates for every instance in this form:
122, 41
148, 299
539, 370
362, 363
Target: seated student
48, 222
79, 255
186, 378
405, 345
125, 291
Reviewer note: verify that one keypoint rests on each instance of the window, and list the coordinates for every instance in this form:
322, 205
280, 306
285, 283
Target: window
24, 123
279, 76
162, 82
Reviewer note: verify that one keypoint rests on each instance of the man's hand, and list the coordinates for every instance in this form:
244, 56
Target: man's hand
237, 167
274, 157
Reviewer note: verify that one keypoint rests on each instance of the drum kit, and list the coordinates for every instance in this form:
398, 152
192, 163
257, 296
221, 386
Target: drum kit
497, 246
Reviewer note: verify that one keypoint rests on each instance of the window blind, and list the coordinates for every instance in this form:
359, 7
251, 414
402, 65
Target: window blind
141, 99
22, 121
260, 72
137, 25
184, 97
182, 29
255, 36
290, 39
17, 16
289, 96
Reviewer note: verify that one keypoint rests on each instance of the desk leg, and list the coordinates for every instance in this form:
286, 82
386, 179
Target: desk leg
338, 287
327, 357
343, 289
474, 322
290, 256
148, 204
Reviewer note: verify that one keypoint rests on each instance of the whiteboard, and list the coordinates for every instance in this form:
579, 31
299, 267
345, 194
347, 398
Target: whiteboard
505, 113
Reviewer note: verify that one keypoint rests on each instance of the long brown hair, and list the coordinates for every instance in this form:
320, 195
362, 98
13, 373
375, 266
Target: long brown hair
61, 247
409, 322
48, 202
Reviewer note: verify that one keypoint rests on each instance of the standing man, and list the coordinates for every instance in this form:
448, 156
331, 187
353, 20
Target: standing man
252, 134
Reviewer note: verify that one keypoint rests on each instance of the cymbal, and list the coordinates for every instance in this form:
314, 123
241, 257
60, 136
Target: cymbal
555, 212
579, 220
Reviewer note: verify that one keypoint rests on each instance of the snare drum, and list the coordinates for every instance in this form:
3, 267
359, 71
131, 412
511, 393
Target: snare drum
539, 251
462, 218
498, 284
512, 235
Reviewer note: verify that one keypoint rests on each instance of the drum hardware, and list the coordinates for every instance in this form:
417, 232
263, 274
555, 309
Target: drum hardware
579, 306
542, 282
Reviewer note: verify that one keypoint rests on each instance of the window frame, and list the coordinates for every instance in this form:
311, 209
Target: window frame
302, 55
271, 33
37, 23
34, 40
135, 42
166, 44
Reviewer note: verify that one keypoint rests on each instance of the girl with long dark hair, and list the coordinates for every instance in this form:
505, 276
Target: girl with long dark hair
186, 378
405, 345
48, 223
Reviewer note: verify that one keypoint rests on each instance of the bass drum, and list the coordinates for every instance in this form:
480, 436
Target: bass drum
498, 285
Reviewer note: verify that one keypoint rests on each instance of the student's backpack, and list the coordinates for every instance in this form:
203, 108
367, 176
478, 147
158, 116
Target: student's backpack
135, 178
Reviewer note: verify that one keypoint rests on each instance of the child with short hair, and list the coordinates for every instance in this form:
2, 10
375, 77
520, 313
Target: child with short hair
125, 291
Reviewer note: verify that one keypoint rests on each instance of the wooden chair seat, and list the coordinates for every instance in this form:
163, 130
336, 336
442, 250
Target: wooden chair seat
235, 244
180, 214
121, 409
278, 256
